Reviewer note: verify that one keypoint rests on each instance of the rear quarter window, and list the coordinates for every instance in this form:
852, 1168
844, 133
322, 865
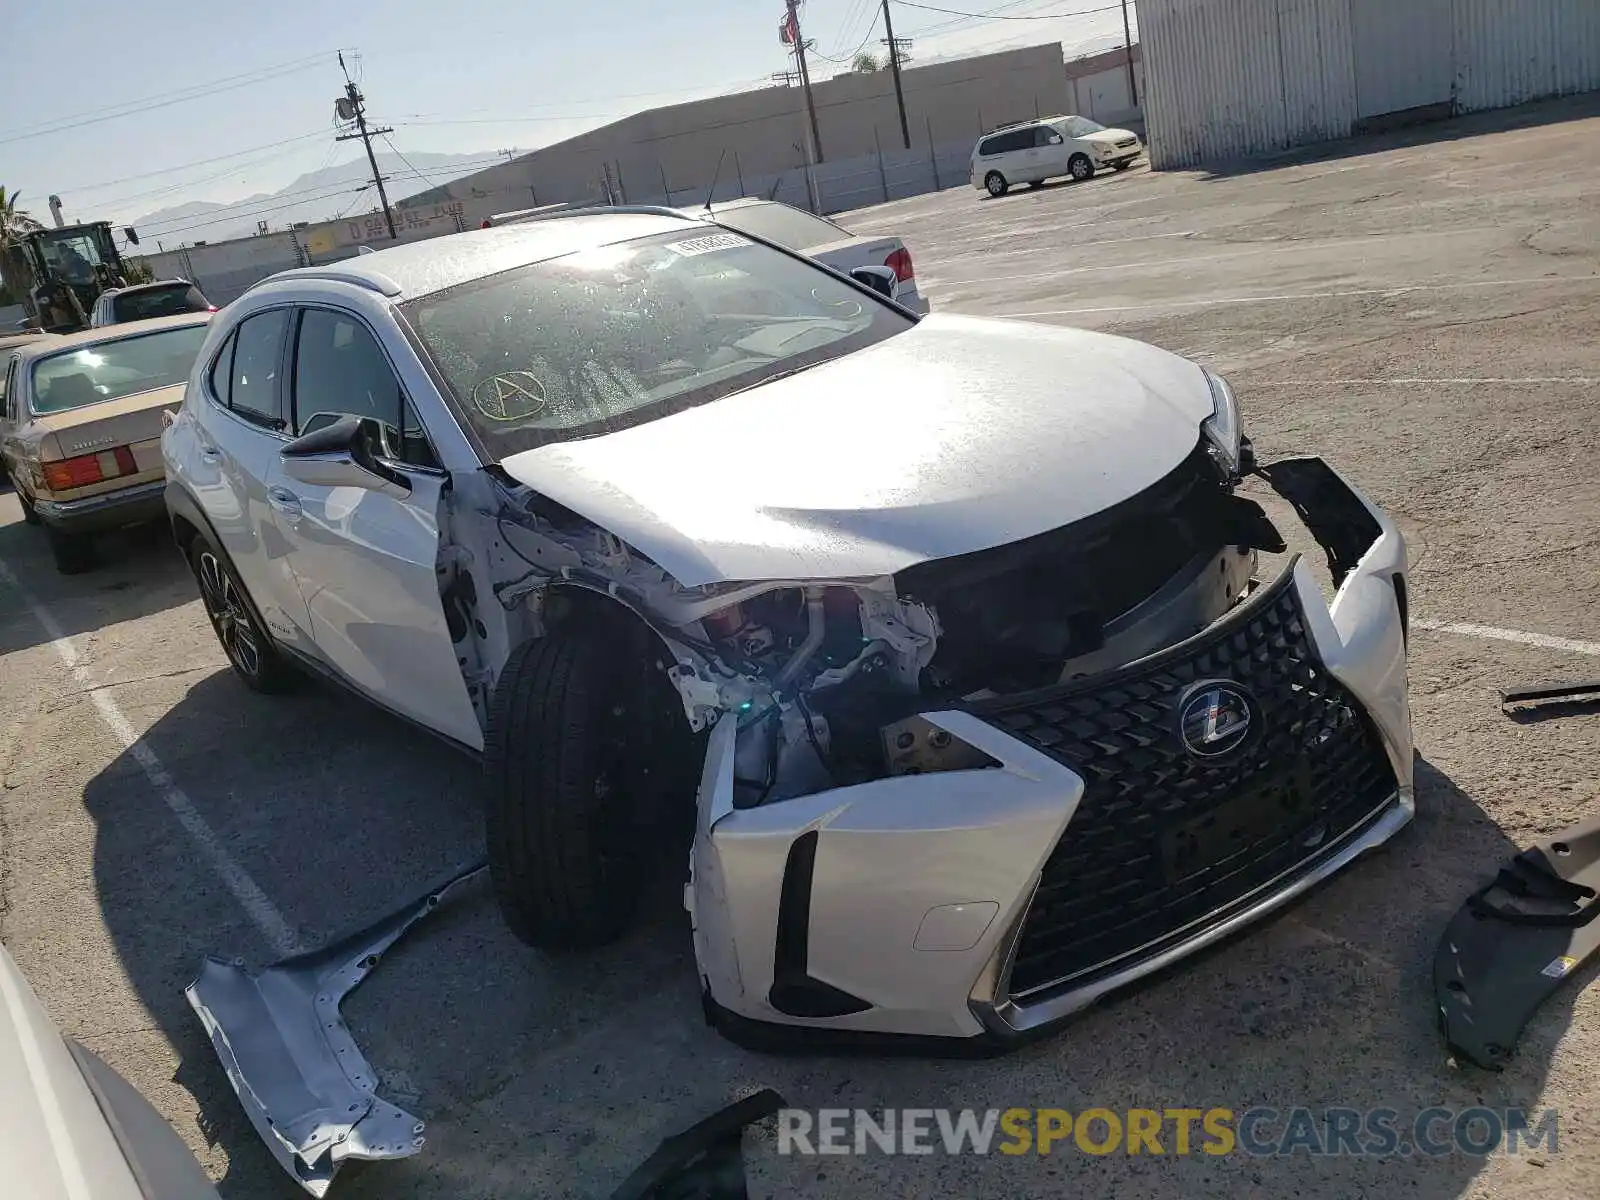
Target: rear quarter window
157, 302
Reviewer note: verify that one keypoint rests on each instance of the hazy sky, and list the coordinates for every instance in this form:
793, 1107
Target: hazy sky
455, 76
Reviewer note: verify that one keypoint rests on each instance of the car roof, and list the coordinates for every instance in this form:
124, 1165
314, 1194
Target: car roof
110, 333
419, 268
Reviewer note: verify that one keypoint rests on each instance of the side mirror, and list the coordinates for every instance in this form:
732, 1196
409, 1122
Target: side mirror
340, 455
880, 279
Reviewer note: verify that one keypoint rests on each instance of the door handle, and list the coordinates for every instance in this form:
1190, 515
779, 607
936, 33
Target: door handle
284, 501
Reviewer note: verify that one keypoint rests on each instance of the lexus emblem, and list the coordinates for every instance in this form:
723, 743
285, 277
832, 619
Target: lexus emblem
1214, 718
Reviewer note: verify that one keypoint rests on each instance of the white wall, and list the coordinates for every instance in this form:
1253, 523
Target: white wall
1234, 78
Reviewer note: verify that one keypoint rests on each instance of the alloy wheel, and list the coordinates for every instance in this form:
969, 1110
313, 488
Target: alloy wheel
229, 617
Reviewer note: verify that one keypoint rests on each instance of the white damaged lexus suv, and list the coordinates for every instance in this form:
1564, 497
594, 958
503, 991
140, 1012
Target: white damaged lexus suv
938, 645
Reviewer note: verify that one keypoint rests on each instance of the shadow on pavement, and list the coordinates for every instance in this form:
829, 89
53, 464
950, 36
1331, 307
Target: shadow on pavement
338, 812
139, 572
1448, 129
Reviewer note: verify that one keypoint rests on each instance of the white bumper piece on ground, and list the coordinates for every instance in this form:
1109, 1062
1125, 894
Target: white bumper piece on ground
982, 906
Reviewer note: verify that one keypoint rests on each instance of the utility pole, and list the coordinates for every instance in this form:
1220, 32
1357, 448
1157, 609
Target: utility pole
793, 37
352, 107
894, 65
1127, 41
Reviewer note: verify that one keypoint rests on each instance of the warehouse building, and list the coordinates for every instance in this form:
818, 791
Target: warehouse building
1235, 78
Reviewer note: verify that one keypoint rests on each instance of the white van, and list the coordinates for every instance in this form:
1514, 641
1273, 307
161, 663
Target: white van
1032, 151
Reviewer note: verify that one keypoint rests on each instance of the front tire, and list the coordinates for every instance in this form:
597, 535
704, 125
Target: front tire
995, 184
1080, 168
566, 786
1121, 166
250, 651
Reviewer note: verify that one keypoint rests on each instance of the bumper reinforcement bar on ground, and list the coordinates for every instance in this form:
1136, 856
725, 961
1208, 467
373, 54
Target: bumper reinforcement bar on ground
290, 1057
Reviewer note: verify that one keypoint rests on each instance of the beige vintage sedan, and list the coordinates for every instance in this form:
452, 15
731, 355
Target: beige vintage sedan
80, 427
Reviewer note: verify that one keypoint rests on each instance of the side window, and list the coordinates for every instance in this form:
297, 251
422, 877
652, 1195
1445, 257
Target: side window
1046, 136
7, 391
989, 146
253, 390
8, 397
222, 367
341, 371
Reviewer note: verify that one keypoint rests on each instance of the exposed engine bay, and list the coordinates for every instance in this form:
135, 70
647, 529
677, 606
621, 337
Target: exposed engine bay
826, 678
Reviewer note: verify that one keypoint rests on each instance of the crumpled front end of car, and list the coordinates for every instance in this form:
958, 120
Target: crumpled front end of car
1024, 848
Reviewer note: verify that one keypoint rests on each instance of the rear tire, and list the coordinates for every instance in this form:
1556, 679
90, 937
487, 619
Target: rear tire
250, 651
1080, 168
29, 513
995, 184
74, 553
575, 789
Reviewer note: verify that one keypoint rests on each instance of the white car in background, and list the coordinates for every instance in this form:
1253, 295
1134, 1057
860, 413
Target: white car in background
1031, 152
882, 263
826, 241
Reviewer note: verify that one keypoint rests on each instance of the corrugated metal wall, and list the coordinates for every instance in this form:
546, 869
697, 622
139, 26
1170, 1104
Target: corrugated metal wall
1512, 51
1215, 75
1319, 95
1234, 78
1401, 52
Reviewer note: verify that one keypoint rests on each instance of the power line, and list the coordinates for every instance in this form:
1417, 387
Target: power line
250, 208
429, 180
136, 107
165, 233
201, 162
942, 26
849, 58
994, 14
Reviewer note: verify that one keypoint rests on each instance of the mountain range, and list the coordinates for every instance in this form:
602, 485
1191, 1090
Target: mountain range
315, 196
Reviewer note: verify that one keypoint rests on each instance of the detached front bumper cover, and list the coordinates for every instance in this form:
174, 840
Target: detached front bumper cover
291, 1059
909, 905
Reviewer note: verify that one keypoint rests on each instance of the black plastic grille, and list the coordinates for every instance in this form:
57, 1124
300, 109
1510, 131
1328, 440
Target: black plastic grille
1162, 840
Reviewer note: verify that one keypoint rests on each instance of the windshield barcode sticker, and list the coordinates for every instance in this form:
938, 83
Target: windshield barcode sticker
705, 245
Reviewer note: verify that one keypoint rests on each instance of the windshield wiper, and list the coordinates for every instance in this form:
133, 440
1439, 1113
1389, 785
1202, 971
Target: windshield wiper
766, 379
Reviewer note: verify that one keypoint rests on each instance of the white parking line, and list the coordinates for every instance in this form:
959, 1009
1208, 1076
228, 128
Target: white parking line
1495, 633
1396, 290
274, 927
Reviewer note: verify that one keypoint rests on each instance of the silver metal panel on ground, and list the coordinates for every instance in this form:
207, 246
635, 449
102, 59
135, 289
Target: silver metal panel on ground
1512, 51
1401, 51
1215, 80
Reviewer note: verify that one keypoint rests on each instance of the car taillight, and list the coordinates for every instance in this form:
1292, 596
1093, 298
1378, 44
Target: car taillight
211, 308
900, 263
89, 468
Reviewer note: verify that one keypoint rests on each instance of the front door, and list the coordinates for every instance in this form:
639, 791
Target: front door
1051, 150
366, 561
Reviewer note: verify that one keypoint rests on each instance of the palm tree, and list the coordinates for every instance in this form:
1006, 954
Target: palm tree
14, 222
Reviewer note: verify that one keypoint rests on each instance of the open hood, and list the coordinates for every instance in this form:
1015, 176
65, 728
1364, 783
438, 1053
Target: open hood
957, 435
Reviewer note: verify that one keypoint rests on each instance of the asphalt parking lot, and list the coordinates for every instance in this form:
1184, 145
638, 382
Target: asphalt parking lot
1422, 311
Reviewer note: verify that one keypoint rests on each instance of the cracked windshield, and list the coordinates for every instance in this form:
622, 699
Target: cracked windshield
819, 598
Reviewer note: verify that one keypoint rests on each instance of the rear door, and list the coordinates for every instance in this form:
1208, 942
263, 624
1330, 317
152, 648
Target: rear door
239, 436
8, 421
367, 562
